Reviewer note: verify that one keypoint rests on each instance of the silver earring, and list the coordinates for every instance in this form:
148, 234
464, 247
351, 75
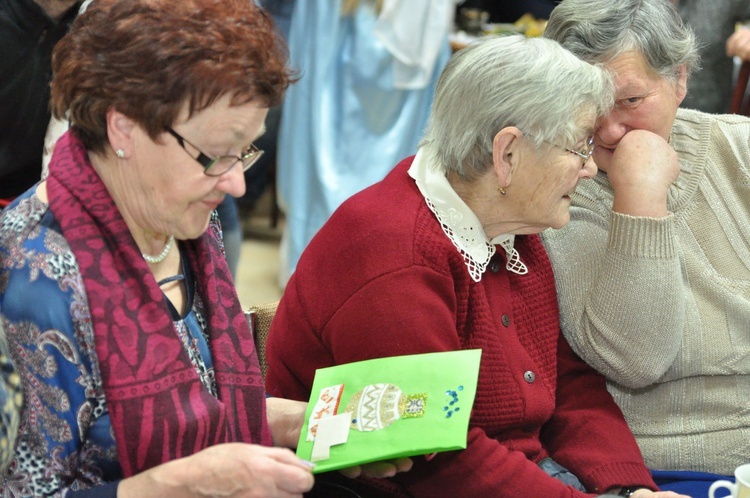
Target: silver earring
120, 153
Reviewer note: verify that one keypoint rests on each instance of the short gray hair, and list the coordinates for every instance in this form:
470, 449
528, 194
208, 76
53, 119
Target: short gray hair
597, 31
531, 83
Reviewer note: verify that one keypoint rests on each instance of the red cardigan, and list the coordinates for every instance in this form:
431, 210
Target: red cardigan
382, 279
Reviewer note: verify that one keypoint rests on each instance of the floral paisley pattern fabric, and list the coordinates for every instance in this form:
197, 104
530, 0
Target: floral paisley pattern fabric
65, 438
158, 407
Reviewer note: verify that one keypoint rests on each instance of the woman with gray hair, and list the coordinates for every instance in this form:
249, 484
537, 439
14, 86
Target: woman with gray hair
443, 255
652, 271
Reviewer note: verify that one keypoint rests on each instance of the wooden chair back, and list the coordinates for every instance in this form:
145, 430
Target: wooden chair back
259, 318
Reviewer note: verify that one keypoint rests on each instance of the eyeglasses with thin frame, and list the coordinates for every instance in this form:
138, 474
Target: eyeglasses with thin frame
219, 165
585, 153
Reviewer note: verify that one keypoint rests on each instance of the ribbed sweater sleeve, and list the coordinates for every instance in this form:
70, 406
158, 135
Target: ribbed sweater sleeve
661, 306
619, 285
400, 287
396, 323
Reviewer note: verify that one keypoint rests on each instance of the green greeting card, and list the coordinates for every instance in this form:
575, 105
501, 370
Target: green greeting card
388, 408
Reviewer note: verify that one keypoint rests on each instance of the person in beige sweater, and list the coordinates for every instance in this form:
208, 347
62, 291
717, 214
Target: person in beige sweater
653, 271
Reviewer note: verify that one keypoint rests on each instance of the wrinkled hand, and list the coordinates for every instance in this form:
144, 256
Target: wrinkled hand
643, 167
285, 418
739, 44
386, 468
231, 470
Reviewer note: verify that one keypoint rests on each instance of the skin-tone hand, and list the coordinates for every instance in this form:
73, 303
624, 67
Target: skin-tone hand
739, 44
56, 8
285, 417
231, 470
642, 169
647, 493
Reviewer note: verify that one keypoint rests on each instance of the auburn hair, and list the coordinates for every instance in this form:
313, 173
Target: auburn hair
148, 59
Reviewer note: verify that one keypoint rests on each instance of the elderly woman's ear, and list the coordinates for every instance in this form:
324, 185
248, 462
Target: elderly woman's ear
504, 146
681, 83
119, 131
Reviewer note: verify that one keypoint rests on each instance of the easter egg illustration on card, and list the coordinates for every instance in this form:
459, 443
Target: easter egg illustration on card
377, 406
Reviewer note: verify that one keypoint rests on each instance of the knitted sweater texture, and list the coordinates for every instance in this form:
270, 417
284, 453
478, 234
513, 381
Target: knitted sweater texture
382, 279
661, 306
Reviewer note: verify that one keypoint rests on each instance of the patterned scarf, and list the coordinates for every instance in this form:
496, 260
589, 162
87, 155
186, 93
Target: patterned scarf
158, 407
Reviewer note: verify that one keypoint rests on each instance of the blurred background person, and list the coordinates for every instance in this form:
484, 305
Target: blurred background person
368, 70
738, 45
443, 255
29, 29
713, 22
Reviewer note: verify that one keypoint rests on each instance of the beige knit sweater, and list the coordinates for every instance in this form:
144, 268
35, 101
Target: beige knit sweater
662, 306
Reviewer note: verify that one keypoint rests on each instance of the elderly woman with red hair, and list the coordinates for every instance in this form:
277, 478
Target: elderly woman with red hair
138, 369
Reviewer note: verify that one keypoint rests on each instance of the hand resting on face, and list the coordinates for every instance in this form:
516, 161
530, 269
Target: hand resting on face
643, 167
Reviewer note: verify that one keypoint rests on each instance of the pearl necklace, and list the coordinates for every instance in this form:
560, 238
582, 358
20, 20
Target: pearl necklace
162, 255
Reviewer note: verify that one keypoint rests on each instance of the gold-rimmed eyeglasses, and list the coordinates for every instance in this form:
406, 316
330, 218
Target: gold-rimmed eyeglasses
586, 151
219, 165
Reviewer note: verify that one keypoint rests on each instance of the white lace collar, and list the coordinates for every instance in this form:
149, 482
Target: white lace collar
460, 223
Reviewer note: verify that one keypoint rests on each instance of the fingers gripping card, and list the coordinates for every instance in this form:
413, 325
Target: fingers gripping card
388, 408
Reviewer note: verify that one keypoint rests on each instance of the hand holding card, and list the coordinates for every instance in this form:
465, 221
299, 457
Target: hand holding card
389, 408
